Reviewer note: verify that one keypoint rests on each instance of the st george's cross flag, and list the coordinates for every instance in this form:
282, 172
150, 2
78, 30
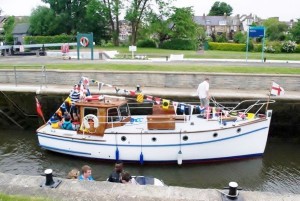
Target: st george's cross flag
276, 90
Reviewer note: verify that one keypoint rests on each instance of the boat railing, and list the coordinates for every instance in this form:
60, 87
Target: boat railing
249, 105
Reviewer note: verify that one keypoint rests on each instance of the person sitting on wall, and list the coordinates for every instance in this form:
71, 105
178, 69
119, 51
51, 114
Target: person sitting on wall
115, 176
73, 174
86, 174
127, 179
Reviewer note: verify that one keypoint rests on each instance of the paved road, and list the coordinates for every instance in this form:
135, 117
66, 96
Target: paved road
43, 60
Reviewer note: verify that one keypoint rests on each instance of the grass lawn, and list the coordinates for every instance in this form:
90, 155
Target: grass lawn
20, 198
209, 54
230, 67
169, 67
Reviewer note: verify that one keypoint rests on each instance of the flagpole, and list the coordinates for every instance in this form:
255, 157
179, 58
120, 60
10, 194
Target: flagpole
268, 101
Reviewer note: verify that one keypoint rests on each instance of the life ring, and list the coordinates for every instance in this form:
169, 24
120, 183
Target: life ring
90, 117
84, 41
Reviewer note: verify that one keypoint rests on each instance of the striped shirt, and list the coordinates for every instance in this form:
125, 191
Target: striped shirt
74, 96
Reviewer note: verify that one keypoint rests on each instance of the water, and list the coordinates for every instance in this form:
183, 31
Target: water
278, 171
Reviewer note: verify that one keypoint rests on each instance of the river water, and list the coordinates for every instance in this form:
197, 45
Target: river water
278, 171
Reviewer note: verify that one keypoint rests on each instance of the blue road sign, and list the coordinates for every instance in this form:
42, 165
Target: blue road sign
256, 32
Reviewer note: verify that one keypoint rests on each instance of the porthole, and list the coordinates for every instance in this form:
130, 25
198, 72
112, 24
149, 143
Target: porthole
215, 135
154, 139
185, 138
238, 130
123, 138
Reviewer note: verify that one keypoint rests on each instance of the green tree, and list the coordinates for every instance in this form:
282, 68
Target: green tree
113, 10
8, 29
220, 8
95, 21
43, 22
137, 11
295, 31
69, 14
183, 26
156, 24
275, 30
174, 23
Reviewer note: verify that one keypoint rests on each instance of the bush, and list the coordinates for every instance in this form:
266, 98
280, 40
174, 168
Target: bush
289, 46
146, 43
221, 38
269, 49
239, 37
180, 44
297, 50
273, 47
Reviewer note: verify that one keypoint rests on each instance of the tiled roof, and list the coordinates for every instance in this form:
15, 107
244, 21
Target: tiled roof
21, 28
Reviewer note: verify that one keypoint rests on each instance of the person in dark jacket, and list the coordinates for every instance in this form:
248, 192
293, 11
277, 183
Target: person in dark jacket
115, 176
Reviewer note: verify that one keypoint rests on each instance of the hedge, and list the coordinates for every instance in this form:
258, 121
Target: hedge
180, 44
49, 39
146, 43
227, 46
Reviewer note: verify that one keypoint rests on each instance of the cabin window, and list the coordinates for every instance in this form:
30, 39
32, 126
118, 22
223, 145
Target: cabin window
124, 111
89, 110
112, 115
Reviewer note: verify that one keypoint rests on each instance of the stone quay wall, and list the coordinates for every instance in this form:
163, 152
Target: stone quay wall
152, 79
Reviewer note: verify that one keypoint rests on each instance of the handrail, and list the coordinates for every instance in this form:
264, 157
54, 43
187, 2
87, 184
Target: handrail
17, 107
11, 119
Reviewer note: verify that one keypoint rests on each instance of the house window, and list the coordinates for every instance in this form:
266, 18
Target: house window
222, 22
207, 21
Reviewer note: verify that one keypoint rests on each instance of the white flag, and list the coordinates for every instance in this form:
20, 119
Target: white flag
276, 90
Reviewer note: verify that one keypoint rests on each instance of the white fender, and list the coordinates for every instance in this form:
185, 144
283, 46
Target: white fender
86, 121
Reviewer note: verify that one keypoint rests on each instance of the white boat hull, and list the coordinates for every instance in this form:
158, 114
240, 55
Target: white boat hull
198, 141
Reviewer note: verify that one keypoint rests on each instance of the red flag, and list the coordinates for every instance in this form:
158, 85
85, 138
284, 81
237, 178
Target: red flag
39, 109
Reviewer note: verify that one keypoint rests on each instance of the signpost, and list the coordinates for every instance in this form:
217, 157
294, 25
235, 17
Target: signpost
132, 49
85, 40
256, 32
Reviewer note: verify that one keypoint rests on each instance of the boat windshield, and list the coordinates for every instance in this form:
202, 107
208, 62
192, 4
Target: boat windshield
112, 115
90, 110
124, 111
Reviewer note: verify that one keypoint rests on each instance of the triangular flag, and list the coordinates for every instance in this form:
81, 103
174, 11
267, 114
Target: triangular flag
149, 98
85, 81
175, 105
140, 98
132, 93
100, 85
157, 100
276, 90
165, 104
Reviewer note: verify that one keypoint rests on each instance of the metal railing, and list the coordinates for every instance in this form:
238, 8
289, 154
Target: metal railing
41, 78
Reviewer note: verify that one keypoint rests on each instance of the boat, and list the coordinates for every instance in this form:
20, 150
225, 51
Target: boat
115, 127
148, 180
